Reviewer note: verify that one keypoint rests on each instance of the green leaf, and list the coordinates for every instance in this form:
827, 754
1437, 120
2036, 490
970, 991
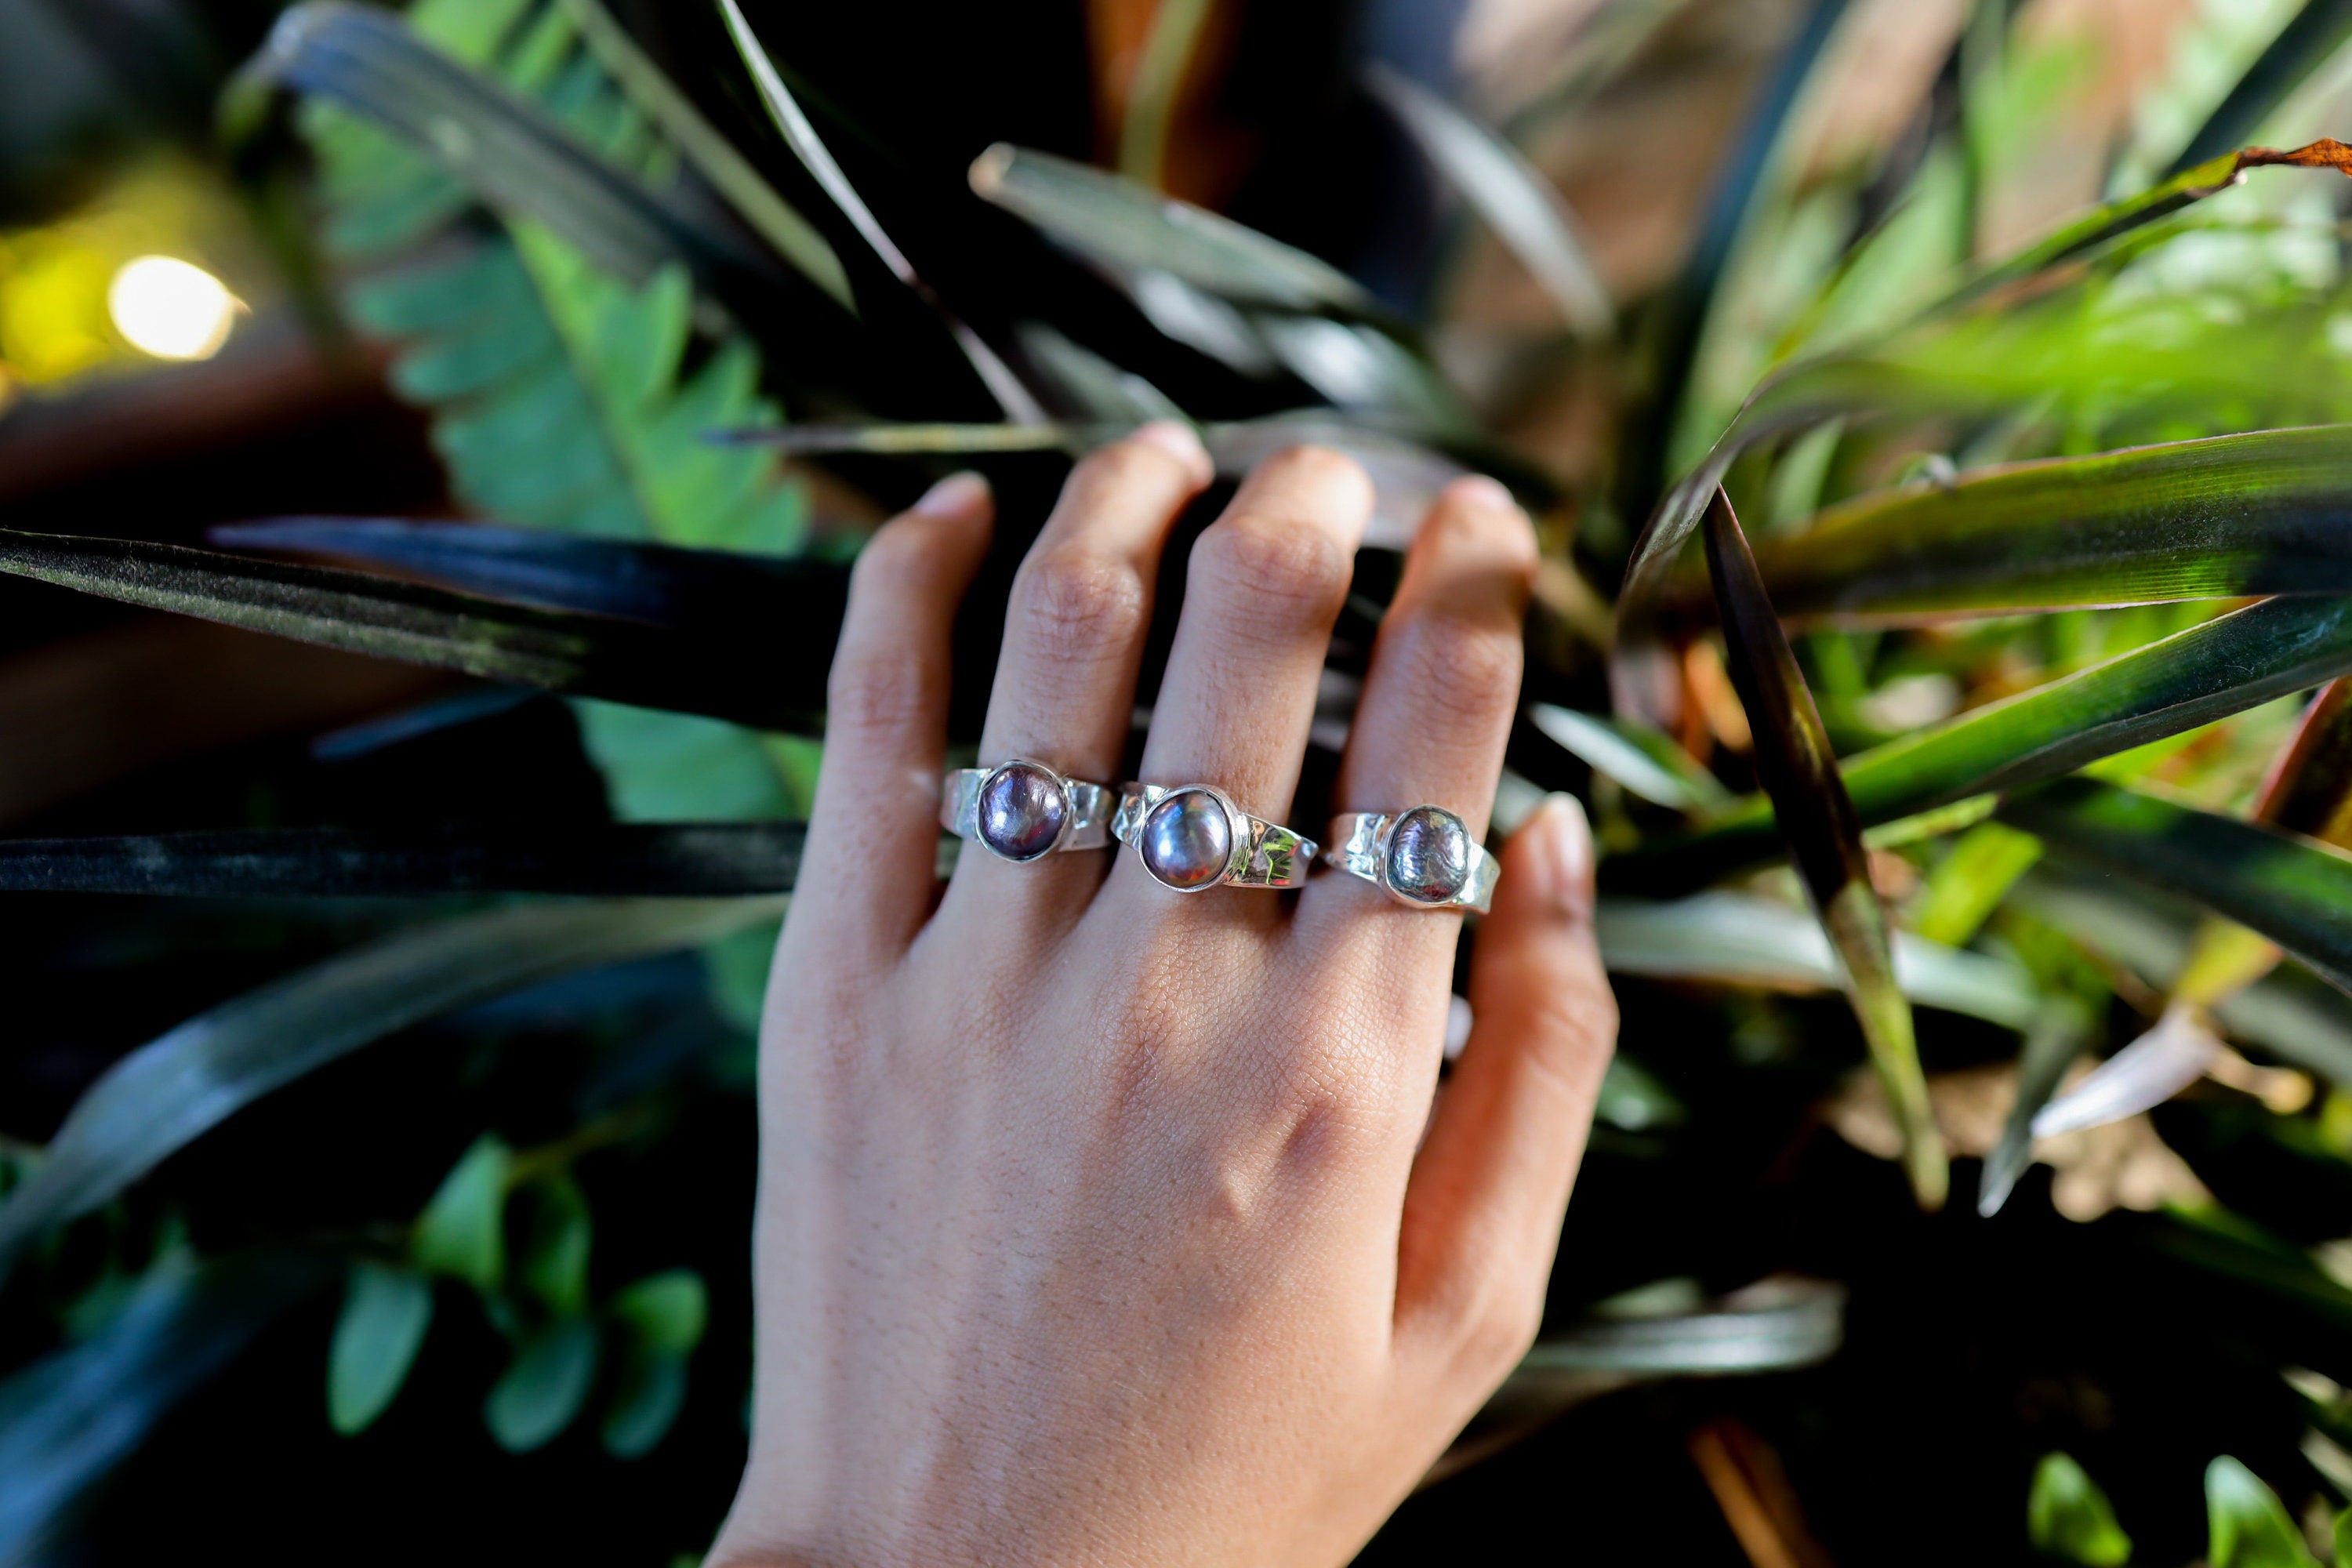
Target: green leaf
2052, 1041
1968, 884
626, 661
1772, 1326
2308, 41
174, 1089
1126, 225
558, 571
1645, 760
386, 1314
544, 1386
499, 145
1515, 199
668, 861
554, 1260
2295, 891
667, 1312
2227, 664
729, 171
2231, 516
646, 1398
2249, 1526
806, 145
462, 1232
1800, 775
1735, 939
68, 1419
2066, 1515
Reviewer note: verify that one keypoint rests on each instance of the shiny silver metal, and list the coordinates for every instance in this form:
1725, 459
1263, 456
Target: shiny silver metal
1424, 858
1192, 837
1038, 809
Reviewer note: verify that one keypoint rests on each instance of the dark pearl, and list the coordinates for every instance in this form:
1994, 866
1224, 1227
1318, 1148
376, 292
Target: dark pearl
1188, 839
1021, 810
1429, 855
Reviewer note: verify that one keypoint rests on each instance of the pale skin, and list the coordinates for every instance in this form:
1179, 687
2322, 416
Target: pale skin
1099, 1224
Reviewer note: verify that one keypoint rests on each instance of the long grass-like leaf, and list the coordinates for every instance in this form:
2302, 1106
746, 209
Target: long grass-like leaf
2295, 891
1160, 67
2143, 1074
667, 584
730, 173
1807, 393
800, 136
2228, 664
184, 1083
1523, 208
67, 1420
626, 661
2051, 1044
666, 860
2307, 42
1123, 224
506, 149
1735, 939
2232, 516
1800, 775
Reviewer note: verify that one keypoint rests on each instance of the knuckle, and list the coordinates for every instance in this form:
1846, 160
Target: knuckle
1075, 607
1493, 1322
878, 693
1458, 667
1286, 566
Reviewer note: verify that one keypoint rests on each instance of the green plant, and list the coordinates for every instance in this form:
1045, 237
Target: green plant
1971, 648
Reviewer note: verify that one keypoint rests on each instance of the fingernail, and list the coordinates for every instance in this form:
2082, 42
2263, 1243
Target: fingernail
1479, 490
1180, 441
1571, 851
957, 495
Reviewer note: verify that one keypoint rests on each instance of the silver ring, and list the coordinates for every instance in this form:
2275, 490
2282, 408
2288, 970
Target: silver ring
1191, 837
1023, 810
1424, 858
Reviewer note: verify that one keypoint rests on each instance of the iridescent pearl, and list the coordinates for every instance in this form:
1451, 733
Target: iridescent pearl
1021, 811
1187, 839
1429, 855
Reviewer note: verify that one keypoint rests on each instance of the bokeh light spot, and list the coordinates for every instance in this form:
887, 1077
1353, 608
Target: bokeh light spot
171, 308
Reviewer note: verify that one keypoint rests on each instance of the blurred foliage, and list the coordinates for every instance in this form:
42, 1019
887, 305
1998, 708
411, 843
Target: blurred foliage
2049, 734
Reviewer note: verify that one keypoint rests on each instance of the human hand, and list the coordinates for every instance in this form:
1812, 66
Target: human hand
1096, 1223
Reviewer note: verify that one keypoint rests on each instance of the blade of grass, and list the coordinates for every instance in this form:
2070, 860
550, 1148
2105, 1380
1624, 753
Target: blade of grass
1160, 69
730, 173
171, 1090
1123, 224
810, 149
1736, 939
2223, 517
2051, 1044
1800, 775
721, 674
666, 860
1646, 762
657, 583
2294, 891
1804, 394
1523, 208
2228, 664
70, 1419
506, 149
2307, 42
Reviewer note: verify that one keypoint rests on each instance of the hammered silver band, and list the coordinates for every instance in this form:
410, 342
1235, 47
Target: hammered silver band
1191, 837
1424, 858
1021, 810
